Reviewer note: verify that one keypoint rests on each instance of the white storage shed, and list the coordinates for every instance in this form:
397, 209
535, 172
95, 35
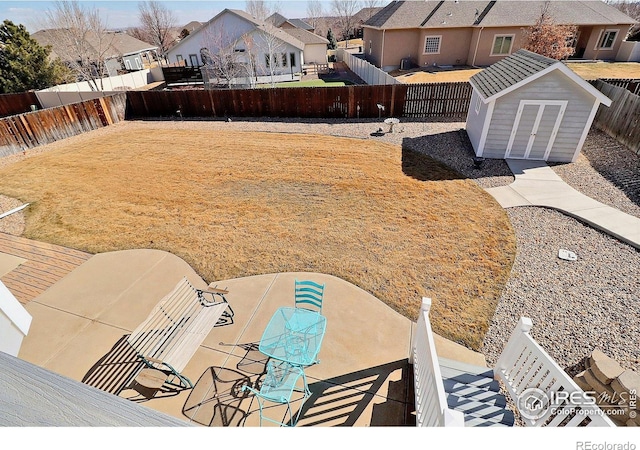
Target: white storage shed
528, 106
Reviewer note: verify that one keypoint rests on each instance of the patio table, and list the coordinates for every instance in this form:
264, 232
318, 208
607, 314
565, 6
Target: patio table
294, 335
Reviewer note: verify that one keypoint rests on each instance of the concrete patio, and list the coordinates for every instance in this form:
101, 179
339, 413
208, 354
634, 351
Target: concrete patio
363, 379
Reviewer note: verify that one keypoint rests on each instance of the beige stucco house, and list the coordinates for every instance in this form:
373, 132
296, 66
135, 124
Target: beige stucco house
480, 33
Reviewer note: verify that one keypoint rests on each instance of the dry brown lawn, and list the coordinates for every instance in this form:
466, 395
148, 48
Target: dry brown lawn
588, 71
234, 204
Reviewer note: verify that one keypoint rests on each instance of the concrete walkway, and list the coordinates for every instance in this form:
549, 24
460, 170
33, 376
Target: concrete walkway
536, 184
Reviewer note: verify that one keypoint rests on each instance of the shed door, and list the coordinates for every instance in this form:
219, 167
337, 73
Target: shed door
535, 129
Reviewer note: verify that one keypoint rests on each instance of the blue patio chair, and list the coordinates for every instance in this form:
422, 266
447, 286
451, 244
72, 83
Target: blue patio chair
309, 295
280, 381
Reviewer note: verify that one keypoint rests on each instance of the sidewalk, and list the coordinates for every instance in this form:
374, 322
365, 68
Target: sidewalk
536, 184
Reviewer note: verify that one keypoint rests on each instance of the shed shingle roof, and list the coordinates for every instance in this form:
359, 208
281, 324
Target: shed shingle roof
467, 13
509, 71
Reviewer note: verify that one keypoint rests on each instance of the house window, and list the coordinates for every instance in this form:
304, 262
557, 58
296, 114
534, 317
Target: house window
193, 60
431, 44
607, 38
127, 64
369, 47
292, 57
284, 59
138, 63
270, 60
502, 45
179, 58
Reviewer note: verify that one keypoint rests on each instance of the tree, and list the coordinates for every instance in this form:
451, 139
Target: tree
370, 4
157, 21
260, 10
223, 62
332, 45
549, 39
345, 10
83, 42
314, 12
25, 64
272, 47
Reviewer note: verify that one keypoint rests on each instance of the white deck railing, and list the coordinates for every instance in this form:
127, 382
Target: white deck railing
544, 394
431, 401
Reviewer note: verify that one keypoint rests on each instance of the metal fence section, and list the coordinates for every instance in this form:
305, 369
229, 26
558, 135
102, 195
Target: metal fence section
437, 100
365, 70
24, 131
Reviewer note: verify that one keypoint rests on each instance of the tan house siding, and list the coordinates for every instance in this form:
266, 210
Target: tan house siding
482, 45
553, 86
315, 53
454, 46
591, 50
372, 41
399, 44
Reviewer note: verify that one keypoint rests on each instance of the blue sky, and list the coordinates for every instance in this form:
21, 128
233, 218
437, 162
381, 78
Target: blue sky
118, 14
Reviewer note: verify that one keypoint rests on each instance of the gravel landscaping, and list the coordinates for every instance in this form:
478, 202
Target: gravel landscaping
575, 306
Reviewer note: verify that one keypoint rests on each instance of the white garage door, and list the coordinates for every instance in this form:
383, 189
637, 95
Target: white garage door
535, 128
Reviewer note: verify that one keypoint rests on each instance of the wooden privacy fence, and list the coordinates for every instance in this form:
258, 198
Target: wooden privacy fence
630, 84
11, 104
400, 100
622, 119
24, 131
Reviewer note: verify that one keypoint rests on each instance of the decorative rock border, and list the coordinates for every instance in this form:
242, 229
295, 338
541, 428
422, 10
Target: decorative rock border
615, 388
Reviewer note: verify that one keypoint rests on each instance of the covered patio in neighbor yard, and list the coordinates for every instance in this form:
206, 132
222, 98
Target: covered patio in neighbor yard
80, 325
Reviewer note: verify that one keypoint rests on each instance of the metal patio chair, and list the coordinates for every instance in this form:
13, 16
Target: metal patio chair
279, 383
309, 295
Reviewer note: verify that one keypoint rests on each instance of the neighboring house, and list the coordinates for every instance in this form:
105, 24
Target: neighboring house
480, 33
280, 21
528, 106
179, 33
315, 47
242, 41
360, 18
118, 49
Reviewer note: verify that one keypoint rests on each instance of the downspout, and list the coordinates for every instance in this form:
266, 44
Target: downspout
382, 53
475, 53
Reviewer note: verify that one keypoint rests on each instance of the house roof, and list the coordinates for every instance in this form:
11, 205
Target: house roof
191, 26
115, 43
258, 24
283, 35
278, 20
520, 68
304, 36
469, 13
299, 23
366, 13
125, 44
